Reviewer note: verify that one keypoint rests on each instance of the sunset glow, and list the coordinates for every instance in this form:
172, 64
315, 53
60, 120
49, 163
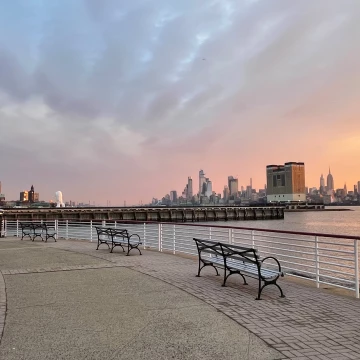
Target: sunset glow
125, 100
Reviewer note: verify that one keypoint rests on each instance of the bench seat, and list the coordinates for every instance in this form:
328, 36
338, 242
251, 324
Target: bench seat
244, 266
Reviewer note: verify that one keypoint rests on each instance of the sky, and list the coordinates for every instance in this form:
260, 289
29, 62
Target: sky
123, 100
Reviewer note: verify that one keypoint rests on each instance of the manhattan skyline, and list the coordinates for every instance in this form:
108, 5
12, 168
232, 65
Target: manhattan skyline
124, 100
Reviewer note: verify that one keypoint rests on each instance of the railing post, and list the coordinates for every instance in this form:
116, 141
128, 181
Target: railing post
174, 237
67, 230
317, 262
210, 233
103, 223
17, 228
356, 248
144, 237
253, 238
160, 237
5, 228
2, 228
230, 236
56, 226
91, 231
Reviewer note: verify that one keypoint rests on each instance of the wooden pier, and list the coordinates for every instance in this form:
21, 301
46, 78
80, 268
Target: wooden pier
160, 214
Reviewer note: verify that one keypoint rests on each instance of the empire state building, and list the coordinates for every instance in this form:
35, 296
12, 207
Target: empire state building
330, 181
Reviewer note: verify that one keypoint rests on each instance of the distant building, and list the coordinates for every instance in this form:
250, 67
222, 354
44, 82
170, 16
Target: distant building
226, 193
2, 196
24, 196
201, 181
29, 196
322, 184
248, 193
209, 191
233, 186
286, 182
330, 182
173, 196
189, 194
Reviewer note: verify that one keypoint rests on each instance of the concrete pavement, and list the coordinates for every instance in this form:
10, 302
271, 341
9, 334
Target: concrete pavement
66, 300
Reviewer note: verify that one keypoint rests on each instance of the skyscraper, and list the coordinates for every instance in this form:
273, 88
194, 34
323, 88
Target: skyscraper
201, 181
226, 193
208, 188
330, 181
233, 185
322, 184
189, 188
173, 196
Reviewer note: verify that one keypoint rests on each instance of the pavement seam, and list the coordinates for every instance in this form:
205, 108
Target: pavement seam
3, 305
67, 268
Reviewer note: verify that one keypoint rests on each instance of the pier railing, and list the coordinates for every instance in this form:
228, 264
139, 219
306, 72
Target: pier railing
322, 258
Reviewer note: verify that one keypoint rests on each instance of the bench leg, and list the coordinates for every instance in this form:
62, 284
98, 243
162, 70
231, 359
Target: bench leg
101, 242
201, 267
130, 247
51, 236
233, 272
266, 283
281, 292
114, 245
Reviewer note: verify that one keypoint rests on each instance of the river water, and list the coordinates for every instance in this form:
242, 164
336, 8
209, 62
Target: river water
330, 222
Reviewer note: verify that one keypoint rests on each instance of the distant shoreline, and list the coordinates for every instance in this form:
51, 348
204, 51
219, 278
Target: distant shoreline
304, 210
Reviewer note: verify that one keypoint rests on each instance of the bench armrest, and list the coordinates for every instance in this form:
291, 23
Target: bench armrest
276, 260
135, 235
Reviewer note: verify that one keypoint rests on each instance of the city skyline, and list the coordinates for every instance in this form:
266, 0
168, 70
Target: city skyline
125, 100
218, 188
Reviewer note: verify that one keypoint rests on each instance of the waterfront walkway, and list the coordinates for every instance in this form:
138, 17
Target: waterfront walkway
66, 300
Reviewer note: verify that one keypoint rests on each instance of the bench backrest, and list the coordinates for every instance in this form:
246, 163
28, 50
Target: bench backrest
110, 232
227, 251
26, 225
120, 232
240, 253
101, 231
208, 247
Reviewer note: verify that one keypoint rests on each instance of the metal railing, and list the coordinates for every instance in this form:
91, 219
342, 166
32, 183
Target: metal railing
322, 258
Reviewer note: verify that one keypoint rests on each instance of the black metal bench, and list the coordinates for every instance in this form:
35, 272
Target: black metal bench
235, 259
50, 232
113, 237
37, 230
26, 230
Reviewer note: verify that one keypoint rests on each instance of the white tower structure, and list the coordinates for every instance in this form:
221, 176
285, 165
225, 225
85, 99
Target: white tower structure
59, 199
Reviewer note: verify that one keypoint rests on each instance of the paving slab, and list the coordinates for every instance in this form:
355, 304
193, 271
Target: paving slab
37, 257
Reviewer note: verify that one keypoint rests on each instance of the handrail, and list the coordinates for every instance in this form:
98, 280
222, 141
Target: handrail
303, 233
